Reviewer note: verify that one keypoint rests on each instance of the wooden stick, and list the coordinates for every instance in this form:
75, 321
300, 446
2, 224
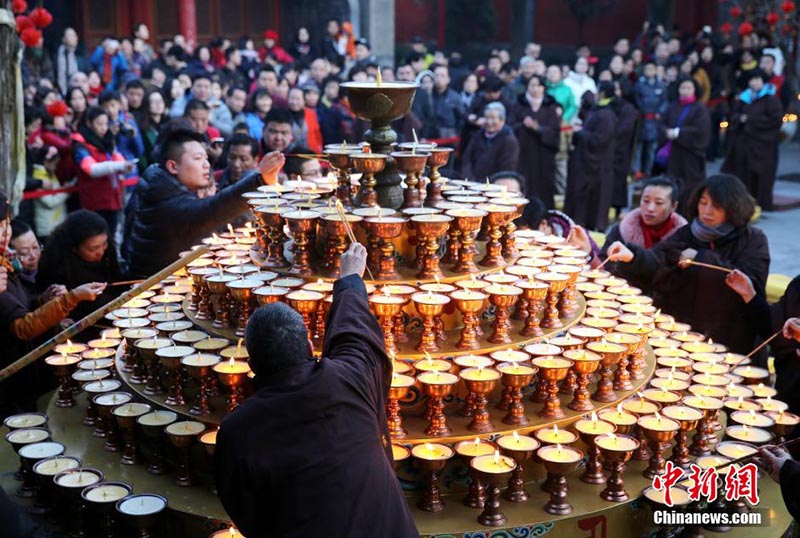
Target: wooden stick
785, 444
98, 314
125, 282
708, 266
764, 343
350, 234
319, 156
602, 264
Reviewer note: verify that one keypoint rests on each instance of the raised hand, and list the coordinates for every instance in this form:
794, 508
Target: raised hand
90, 291
354, 260
270, 166
618, 252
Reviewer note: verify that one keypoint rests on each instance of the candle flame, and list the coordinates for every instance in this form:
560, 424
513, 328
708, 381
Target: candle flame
437, 279
232, 531
740, 401
658, 417
558, 448
239, 344
516, 436
744, 429
555, 430
231, 363
594, 418
496, 457
780, 415
753, 413
230, 228
429, 358
619, 409
386, 291
478, 441
378, 78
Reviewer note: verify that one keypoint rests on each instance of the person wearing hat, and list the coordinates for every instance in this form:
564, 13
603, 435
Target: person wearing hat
364, 55
271, 52
754, 132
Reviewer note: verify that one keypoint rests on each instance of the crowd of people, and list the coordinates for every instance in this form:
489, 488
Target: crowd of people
134, 152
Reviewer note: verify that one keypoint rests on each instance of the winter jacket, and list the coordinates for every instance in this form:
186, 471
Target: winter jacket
164, 218
564, 97
580, 84
651, 100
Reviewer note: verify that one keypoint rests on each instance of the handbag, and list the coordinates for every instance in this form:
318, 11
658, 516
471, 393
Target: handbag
663, 153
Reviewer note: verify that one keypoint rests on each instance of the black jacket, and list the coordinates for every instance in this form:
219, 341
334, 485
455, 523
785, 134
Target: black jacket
329, 471
164, 218
699, 296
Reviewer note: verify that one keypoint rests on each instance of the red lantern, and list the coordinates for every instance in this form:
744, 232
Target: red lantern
773, 18
19, 6
787, 29
23, 23
787, 6
31, 37
745, 29
41, 17
736, 12
726, 28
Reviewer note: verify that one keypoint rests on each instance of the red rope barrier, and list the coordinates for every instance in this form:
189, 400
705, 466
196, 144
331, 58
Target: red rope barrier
33, 195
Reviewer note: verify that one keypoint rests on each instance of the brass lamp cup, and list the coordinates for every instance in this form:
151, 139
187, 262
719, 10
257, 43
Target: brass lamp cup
339, 160
585, 364
659, 441
386, 313
680, 452
199, 287
514, 383
218, 285
615, 485
438, 157
557, 283
568, 304
497, 217
480, 422
384, 229
502, 303
301, 224
534, 293
594, 468
429, 229
436, 392
393, 418
466, 222
271, 218
552, 405
273, 296
492, 515
381, 104
431, 500
183, 443
368, 164
622, 377
605, 387
336, 241
412, 163
469, 309
516, 492
242, 292
558, 504
428, 339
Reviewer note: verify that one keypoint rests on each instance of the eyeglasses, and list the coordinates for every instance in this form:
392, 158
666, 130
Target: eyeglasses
32, 252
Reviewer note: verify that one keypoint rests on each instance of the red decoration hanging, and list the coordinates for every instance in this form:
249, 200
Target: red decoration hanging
788, 6
31, 37
23, 23
58, 109
41, 17
736, 12
19, 6
773, 18
726, 28
745, 29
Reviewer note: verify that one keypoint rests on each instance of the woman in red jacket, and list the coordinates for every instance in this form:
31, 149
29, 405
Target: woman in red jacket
100, 167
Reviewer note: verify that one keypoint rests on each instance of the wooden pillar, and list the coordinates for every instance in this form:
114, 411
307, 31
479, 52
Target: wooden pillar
12, 134
187, 21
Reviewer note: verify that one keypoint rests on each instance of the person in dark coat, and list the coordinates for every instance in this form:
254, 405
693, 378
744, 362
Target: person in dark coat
769, 319
537, 124
777, 461
80, 250
492, 93
165, 216
719, 234
624, 133
24, 319
687, 127
329, 471
650, 94
492, 150
591, 165
755, 130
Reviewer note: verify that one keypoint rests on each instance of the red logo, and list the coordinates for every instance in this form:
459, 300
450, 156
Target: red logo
741, 483
672, 475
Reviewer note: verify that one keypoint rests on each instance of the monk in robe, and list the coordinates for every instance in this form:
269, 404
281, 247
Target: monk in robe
309, 453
